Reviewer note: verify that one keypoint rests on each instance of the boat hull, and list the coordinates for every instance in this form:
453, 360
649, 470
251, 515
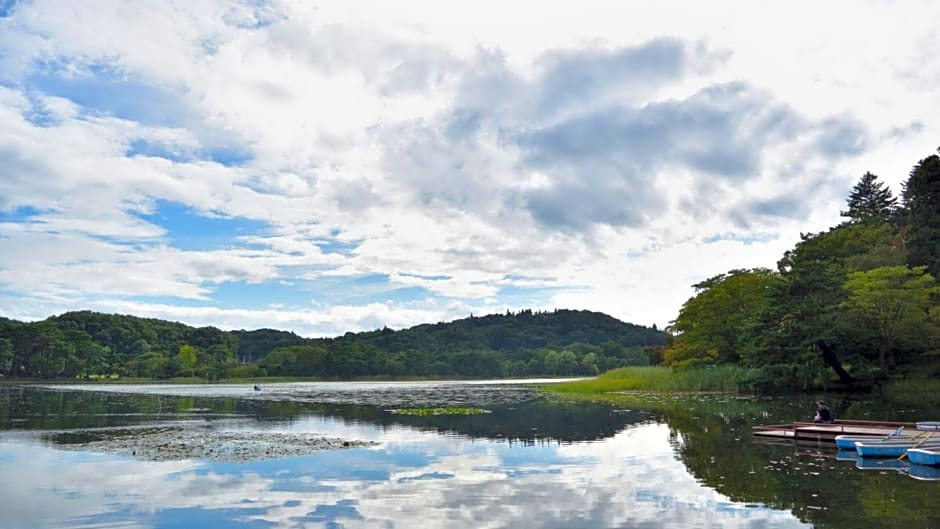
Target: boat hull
847, 442
928, 425
890, 449
924, 456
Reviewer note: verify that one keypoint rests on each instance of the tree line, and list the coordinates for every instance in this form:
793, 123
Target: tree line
849, 306
90, 344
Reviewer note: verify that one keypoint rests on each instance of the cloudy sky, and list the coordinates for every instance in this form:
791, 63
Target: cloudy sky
326, 166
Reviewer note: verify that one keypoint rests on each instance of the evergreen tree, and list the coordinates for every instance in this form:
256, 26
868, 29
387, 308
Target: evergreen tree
870, 200
922, 213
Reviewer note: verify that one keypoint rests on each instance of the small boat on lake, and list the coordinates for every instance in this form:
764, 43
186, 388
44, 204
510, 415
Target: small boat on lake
847, 442
894, 448
924, 456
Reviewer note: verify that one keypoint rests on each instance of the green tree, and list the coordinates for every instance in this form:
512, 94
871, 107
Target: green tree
803, 331
187, 358
716, 324
894, 301
870, 201
6, 355
922, 213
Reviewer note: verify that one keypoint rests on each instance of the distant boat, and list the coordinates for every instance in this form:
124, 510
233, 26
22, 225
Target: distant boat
257, 387
924, 456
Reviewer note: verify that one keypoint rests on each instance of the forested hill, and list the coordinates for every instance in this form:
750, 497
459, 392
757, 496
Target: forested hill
90, 344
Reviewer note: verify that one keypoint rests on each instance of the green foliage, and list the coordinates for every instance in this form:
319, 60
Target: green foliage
523, 344
893, 302
869, 201
716, 325
187, 358
252, 346
922, 214
804, 333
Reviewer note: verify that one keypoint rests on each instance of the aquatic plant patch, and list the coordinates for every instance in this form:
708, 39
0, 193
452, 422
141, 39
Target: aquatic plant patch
438, 411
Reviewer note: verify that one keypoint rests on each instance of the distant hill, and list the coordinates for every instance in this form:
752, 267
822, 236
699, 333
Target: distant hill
86, 343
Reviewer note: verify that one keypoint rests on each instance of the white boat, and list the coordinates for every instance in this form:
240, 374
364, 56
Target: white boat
928, 425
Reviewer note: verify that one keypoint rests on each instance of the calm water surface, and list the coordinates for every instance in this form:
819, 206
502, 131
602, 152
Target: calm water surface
648, 461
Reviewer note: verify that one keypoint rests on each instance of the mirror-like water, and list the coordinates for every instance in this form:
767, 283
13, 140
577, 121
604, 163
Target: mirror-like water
73, 456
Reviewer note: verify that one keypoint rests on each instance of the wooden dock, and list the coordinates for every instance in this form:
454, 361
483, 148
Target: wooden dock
814, 432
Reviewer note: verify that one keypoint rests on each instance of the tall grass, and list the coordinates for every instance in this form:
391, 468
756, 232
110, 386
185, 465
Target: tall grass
729, 379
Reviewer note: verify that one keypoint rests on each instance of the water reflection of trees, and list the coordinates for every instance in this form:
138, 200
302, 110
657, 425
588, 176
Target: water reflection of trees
714, 441
527, 422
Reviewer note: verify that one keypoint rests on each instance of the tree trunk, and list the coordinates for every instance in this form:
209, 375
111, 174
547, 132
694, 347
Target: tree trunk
831, 360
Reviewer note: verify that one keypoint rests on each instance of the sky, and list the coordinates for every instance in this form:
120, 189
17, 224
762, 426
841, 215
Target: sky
325, 167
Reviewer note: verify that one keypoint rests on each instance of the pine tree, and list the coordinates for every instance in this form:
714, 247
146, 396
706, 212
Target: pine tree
870, 200
922, 214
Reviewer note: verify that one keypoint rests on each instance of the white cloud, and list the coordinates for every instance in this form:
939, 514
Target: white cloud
593, 147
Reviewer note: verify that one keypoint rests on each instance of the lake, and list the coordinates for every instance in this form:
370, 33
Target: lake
358, 454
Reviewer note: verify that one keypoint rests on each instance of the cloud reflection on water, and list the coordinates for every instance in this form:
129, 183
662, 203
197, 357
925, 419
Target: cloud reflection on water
413, 479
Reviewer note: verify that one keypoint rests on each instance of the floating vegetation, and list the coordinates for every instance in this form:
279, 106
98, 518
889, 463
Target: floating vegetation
438, 411
177, 443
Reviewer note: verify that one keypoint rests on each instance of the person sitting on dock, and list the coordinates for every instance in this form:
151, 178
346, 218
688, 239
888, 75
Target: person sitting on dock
823, 413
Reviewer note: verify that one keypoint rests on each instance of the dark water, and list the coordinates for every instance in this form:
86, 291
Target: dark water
645, 461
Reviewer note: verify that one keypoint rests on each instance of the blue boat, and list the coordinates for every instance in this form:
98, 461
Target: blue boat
892, 448
924, 456
847, 442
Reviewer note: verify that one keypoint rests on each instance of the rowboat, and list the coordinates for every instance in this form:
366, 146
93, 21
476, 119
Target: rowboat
928, 425
924, 456
893, 448
847, 442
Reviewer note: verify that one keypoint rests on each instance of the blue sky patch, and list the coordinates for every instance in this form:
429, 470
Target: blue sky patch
19, 214
188, 229
339, 247
105, 90
342, 509
7, 6
157, 150
209, 518
227, 156
235, 294
524, 296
